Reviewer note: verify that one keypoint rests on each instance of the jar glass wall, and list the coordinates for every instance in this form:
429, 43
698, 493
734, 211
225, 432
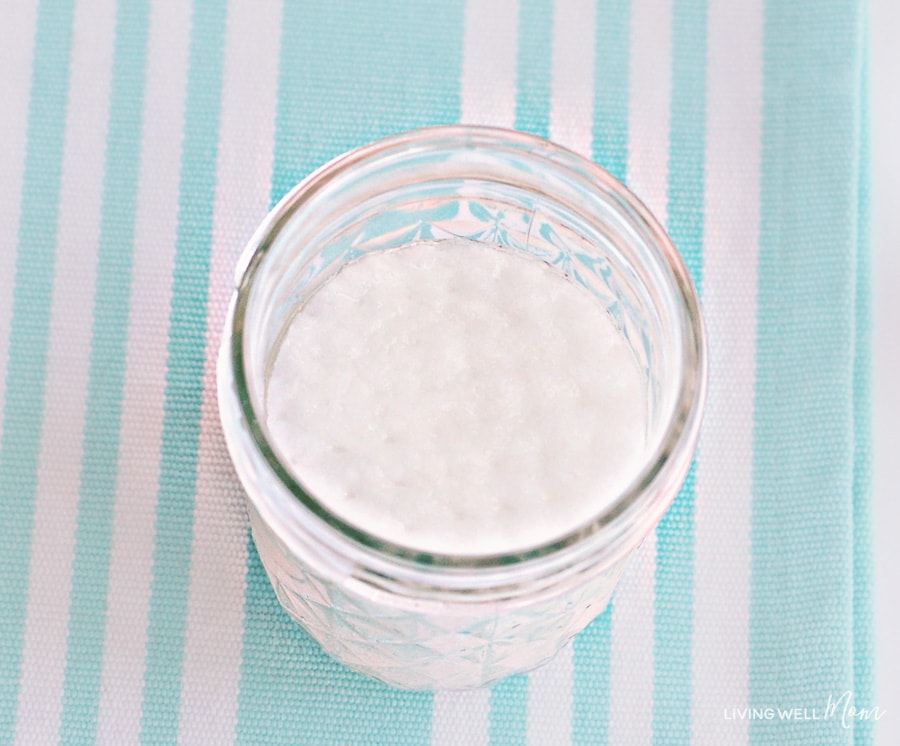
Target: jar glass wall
414, 618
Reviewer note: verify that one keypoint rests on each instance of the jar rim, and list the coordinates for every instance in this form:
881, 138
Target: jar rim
638, 502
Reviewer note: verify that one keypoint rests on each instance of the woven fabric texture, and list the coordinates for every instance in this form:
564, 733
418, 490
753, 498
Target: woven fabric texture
143, 141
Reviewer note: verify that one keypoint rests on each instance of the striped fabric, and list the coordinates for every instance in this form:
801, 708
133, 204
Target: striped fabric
143, 140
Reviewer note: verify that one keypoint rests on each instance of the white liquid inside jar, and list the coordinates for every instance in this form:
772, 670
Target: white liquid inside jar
457, 398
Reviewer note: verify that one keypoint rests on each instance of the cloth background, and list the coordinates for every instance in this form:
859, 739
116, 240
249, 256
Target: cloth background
142, 143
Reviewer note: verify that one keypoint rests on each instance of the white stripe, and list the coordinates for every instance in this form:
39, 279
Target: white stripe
723, 507
461, 718
550, 700
572, 98
68, 361
550, 688
650, 81
131, 556
631, 660
16, 47
215, 618
488, 94
884, 21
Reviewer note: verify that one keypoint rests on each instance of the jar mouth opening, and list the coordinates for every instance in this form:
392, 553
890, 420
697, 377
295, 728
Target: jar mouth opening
652, 489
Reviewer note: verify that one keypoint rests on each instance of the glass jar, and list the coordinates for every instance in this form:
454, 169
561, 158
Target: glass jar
421, 620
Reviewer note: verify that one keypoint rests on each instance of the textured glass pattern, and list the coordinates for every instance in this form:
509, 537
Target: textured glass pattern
442, 644
422, 620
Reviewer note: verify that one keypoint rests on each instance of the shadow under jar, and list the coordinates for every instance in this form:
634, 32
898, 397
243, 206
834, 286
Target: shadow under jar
400, 611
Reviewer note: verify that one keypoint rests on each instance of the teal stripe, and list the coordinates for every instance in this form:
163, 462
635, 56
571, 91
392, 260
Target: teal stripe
349, 73
802, 531
592, 648
99, 466
354, 72
591, 681
28, 335
673, 619
863, 603
611, 89
533, 75
509, 712
184, 377
674, 596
